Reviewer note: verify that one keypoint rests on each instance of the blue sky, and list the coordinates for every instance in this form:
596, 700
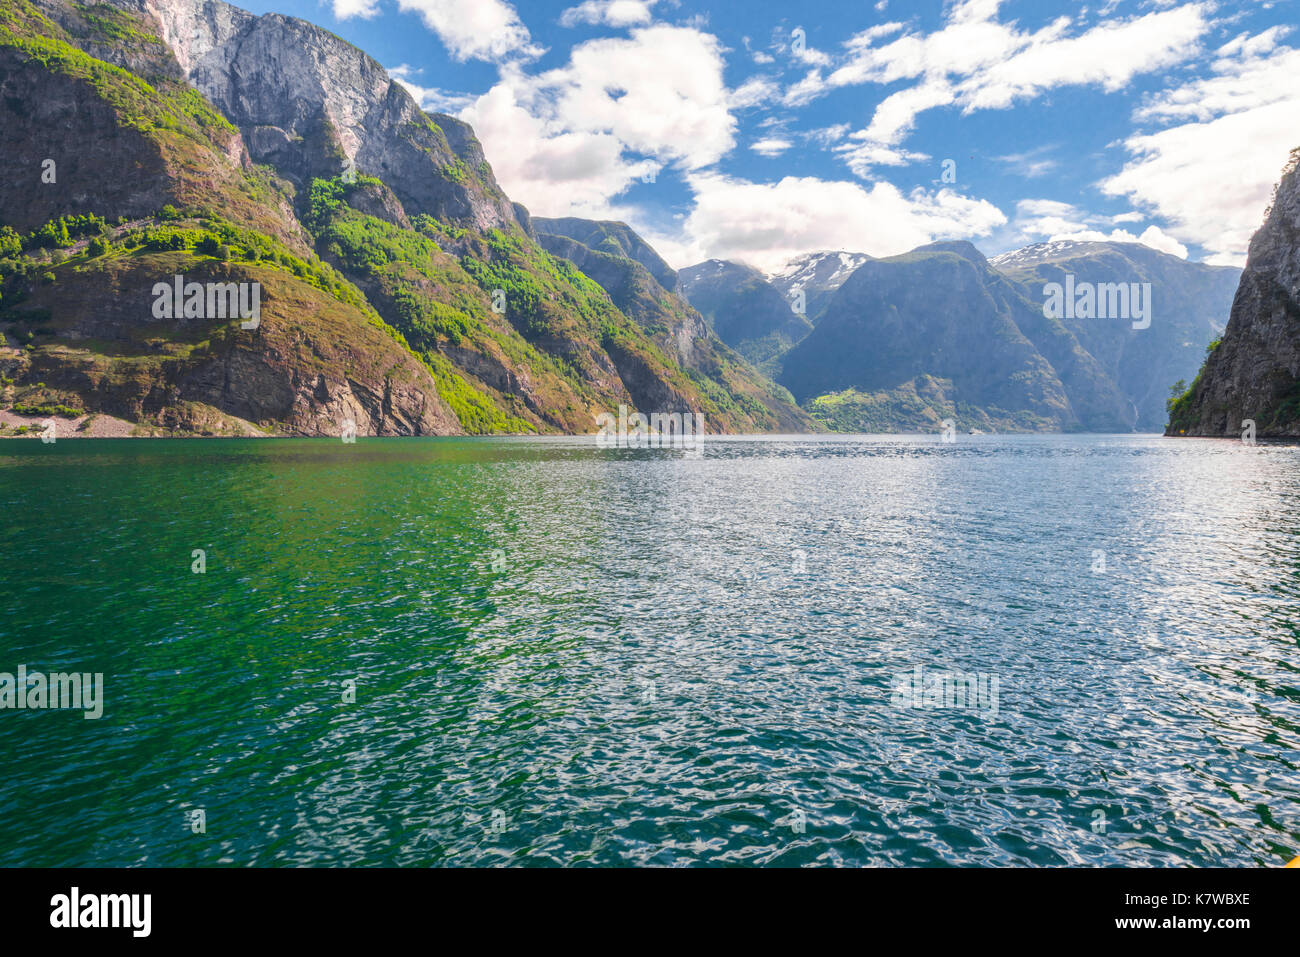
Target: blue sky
758, 131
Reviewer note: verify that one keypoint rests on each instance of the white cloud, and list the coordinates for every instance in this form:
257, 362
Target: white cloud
1152, 236
1211, 178
828, 136
753, 92
612, 13
474, 29
1046, 220
767, 224
569, 140
1157, 238
891, 123
621, 86
806, 90
771, 146
551, 170
977, 63
346, 9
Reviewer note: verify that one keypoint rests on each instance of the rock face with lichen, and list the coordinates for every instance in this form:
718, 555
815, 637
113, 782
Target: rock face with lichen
1253, 374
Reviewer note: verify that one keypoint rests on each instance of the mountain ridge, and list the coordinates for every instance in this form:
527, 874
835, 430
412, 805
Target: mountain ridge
1115, 378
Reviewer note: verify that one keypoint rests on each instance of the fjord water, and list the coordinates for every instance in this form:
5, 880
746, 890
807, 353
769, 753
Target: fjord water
571, 655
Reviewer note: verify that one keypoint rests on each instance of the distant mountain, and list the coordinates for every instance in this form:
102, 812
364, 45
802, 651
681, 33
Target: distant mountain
938, 333
1254, 372
671, 322
818, 275
1189, 307
943, 333
746, 311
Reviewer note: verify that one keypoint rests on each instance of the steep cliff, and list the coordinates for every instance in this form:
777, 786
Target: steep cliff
311, 104
1254, 372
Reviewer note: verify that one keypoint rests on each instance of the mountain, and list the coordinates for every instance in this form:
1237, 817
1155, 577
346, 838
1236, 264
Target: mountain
674, 325
400, 288
1189, 305
617, 239
818, 275
910, 340
943, 333
746, 311
1254, 371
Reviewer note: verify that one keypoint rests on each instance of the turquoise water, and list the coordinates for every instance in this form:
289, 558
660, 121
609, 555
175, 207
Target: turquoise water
572, 655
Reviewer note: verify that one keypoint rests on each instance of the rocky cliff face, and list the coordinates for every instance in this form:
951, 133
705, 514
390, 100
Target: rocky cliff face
77, 307
39, 113
312, 366
311, 105
1254, 373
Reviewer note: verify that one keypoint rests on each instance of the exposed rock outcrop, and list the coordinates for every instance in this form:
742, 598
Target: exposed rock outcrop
310, 104
1254, 372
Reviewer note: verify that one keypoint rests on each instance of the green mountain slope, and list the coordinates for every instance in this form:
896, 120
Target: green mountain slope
673, 324
403, 290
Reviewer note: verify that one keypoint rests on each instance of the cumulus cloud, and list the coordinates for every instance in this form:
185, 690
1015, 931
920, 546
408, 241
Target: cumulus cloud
1211, 176
1152, 236
568, 141
766, 224
620, 86
611, 13
552, 170
1045, 220
473, 29
346, 9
